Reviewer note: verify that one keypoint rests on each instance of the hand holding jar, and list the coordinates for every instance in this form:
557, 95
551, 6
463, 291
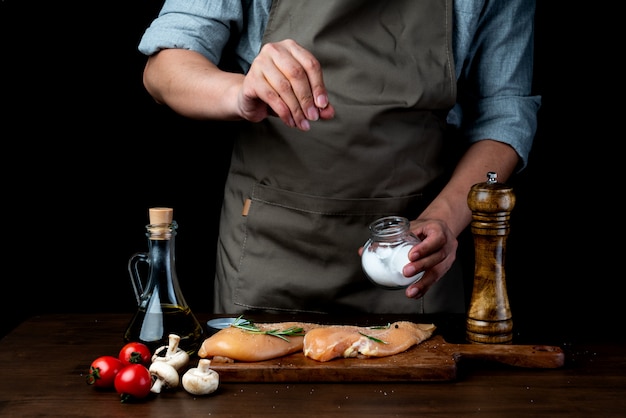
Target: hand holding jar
387, 252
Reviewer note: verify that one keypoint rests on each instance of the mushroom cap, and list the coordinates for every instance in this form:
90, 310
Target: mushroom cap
164, 376
178, 358
201, 380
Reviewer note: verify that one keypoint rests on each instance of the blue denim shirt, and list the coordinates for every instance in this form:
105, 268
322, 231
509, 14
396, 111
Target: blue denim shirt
493, 54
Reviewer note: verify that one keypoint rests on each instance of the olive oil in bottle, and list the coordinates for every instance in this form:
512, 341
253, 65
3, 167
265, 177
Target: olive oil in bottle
162, 309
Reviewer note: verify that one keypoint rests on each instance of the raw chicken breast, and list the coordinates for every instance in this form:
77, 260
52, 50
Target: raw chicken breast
235, 344
329, 342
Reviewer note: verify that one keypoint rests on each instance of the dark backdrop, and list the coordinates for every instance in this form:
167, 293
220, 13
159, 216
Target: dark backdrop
86, 152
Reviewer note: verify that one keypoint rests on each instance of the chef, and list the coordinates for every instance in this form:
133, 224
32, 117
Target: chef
349, 112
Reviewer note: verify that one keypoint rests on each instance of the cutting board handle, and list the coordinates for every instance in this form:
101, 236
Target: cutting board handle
531, 356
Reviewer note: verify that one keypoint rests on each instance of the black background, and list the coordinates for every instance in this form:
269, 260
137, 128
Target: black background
86, 152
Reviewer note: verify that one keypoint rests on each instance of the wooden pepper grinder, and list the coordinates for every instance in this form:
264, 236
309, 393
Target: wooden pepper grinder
489, 319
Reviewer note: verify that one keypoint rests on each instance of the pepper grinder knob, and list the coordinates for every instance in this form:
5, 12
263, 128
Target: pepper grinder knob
489, 319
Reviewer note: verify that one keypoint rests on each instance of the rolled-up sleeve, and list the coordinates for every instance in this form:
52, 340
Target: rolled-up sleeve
494, 52
203, 26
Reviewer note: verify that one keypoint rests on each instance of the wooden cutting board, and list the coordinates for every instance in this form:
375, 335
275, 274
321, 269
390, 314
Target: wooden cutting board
432, 360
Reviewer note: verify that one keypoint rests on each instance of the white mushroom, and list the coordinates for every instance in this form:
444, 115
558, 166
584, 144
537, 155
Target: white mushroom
172, 353
201, 380
164, 376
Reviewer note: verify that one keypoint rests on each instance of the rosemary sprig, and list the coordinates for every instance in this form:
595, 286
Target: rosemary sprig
249, 326
374, 338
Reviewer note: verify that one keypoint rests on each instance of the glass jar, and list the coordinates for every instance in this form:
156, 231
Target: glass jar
386, 252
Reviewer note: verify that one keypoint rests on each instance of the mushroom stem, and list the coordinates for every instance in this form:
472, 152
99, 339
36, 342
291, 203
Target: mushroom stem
172, 353
164, 376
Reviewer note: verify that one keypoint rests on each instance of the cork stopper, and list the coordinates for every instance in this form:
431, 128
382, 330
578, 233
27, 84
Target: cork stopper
162, 225
161, 215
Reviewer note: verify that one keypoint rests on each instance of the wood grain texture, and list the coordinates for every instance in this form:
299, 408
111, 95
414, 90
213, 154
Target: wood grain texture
489, 317
432, 360
44, 362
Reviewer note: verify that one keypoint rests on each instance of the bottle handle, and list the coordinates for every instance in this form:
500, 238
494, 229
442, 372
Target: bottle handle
135, 276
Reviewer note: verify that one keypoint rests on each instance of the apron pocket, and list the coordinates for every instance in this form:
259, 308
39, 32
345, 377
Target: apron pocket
300, 252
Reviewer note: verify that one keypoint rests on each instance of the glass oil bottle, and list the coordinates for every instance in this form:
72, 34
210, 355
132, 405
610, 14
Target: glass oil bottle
162, 309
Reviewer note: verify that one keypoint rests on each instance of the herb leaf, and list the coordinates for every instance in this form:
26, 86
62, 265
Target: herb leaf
249, 326
374, 338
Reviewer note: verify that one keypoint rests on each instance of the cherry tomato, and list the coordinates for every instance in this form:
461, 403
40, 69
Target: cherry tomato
135, 353
103, 370
133, 381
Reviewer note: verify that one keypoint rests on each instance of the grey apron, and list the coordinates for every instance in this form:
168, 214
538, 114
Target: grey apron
297, 205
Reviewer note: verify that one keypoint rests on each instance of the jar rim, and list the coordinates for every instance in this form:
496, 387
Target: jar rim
389, 225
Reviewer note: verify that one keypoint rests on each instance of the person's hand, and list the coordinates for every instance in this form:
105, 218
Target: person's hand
434, 255
285, 80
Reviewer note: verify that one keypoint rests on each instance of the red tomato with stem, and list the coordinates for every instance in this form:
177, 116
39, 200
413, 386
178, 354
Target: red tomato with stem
133, 382
135, 353
103, 370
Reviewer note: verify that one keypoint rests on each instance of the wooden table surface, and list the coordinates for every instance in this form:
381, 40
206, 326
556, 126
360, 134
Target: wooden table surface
44, 361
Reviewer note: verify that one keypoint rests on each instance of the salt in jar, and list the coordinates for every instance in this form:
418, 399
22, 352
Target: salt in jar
386, 252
